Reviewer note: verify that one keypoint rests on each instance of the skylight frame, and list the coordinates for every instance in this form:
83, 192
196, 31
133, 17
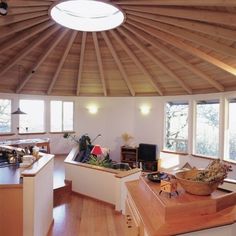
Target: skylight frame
70, 20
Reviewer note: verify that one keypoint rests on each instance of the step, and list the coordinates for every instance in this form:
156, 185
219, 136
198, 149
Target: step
60, 194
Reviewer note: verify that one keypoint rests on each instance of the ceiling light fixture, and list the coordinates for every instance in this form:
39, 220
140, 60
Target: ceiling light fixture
3, 8
87, 15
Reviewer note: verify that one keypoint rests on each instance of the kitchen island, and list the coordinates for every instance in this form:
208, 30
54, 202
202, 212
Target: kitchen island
26, 198
149, 213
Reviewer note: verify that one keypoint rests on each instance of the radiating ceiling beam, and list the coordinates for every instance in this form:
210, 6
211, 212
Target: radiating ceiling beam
218, 17
118, 63
24, 35
7, 20
135, 59
27, 3
188, 48
187, 35
40, 60
46, 34
99, 61
21, 10
160, 47
208, 29
156, 60
81, 62
11, 29
213, 3
62, 61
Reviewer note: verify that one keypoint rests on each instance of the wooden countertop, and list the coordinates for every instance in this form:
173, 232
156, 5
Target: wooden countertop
38, 165
162, 215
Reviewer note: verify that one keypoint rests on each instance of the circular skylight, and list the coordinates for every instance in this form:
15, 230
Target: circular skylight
87, 15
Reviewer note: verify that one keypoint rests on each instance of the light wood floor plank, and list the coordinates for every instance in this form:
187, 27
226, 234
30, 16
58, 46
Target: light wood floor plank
82, 216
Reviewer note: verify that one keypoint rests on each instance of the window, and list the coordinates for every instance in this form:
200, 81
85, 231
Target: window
5, 115
207, 128
62, 114
176, 126
33, 121
231, 144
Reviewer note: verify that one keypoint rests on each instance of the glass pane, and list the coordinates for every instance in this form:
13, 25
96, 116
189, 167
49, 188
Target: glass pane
56, 116
207, 128
232, 131
68, 111
176, 127
5, 115
33, 121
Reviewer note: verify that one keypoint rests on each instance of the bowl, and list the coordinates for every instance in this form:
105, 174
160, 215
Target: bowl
195, 187
157, 176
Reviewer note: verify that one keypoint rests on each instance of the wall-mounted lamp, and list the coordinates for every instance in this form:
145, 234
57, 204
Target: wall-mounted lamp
3, 8
93, 109
145, 109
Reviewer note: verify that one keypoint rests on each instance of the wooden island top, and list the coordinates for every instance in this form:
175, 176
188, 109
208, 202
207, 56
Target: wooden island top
183, 213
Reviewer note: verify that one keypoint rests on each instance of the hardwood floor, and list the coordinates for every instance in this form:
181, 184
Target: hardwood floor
77, 215
59, 171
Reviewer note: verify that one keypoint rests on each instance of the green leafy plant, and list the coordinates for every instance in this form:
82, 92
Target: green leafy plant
84, 141
100, 161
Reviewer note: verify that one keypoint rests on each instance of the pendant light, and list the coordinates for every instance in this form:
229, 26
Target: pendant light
18, 111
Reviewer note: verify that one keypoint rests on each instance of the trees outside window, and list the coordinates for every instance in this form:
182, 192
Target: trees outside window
176, 126
207, 128
5, 115
33, 120
62, 116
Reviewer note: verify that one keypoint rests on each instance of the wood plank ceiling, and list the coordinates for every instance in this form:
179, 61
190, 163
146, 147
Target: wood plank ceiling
164, 47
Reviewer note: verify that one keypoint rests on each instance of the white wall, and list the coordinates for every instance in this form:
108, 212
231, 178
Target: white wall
115, 116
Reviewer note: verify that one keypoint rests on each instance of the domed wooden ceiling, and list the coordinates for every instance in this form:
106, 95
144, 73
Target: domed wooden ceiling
164, 47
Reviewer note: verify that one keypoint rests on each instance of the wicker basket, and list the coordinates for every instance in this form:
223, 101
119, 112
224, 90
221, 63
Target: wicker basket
195, 187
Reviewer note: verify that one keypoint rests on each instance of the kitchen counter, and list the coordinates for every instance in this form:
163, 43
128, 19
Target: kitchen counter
19, 200
10, 175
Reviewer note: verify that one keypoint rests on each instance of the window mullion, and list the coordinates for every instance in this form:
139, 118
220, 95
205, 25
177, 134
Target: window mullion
62, 118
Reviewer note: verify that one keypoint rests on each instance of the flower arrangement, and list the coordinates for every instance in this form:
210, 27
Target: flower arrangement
126, 138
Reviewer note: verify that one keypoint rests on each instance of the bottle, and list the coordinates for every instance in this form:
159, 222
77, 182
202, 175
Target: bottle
140, 165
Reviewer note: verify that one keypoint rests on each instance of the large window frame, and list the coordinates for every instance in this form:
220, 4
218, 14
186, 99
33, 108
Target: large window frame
230, 130
205, 124
223, 134
4, 116
32, 113
62, 116
176, 136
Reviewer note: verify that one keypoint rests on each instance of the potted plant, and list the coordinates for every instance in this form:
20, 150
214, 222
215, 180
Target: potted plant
126, 138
